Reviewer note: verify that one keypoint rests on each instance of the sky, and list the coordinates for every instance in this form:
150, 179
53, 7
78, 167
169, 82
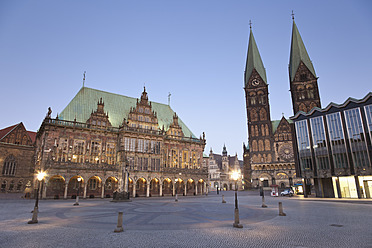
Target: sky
196, 50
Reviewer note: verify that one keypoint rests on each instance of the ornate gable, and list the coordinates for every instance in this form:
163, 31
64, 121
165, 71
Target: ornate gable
99, 118
16, 134
283, 142
142, 116
174, 128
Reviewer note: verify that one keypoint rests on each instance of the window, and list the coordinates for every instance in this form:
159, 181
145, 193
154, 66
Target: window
356, 138
337, 140
368, 110
303, 143
9, 168
92, 184
319, 143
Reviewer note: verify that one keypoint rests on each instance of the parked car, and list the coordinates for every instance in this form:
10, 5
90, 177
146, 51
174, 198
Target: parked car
287, 192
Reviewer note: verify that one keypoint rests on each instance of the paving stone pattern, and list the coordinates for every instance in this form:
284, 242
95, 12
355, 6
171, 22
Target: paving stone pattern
202, 221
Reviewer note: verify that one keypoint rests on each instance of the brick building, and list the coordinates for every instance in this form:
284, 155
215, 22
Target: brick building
16, 159
269, 156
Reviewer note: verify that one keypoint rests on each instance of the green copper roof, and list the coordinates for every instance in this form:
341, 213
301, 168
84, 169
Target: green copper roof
298, 54
254, 60
275, 124
117, 107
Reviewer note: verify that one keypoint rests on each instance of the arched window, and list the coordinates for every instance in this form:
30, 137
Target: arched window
254, 145
260, 145
256, 128
263, 115
262, 130
254, 116
252, 97
267, 130
267, 145
310, 91
9, 168
252, 131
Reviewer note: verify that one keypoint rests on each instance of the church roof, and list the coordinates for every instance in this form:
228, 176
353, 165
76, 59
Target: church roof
298, 54
254, 60
275, 124
5, 131
117, 106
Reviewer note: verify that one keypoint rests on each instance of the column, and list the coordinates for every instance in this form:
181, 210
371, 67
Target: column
174, 188
205, 188
134, 190
148, 190
85, 190
44, 189
66, 187
103, 191
196, 189
161, 189
185, 188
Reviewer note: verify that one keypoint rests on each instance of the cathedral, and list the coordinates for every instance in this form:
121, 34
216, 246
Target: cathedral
269, 157
103, 143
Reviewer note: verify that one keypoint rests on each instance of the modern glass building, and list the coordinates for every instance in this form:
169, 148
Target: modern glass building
334, 148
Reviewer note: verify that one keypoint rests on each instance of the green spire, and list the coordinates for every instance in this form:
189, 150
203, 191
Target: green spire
298, 54
254, 60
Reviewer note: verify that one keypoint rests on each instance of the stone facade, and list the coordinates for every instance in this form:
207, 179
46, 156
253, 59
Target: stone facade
220, 169
158, 160
16, 159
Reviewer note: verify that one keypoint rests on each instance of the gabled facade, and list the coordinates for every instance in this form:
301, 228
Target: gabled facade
16, 159
220, 169
100, 135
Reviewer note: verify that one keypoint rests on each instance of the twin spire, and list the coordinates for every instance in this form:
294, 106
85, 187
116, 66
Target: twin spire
298, 54
254, 60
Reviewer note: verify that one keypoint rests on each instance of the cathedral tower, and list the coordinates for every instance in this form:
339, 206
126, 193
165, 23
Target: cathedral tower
258, 108
302, 77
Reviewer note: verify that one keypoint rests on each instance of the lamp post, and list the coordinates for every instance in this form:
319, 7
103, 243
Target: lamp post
40, 177
262, 193
78, 190
236, 224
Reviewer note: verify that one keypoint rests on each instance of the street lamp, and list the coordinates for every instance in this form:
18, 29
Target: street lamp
235, 176
77, 195
40, 177
262, 193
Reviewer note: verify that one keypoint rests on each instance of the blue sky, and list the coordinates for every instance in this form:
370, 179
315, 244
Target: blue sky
194, 49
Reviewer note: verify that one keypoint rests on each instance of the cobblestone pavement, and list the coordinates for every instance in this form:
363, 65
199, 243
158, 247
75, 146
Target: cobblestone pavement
201, 221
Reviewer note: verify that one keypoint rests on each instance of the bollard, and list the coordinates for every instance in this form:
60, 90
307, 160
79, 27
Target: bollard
236, 219
281, 210
223, 199
263, 202
119, 228
34, 216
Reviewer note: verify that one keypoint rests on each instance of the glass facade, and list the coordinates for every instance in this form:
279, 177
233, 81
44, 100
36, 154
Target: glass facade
337, 140
356, 138
368, 110
303, 143
319, 143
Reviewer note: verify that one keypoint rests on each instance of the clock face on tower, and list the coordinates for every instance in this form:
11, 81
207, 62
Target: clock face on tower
255, 82
286, 152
